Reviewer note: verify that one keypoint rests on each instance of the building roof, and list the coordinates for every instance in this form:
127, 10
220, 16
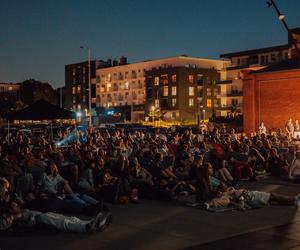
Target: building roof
286, 65
41, 110
168, 60
255, 51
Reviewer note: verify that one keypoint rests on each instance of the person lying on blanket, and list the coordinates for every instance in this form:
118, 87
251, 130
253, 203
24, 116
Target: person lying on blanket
231, 196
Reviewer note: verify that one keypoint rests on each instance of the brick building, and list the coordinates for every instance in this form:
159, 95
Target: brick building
271, 95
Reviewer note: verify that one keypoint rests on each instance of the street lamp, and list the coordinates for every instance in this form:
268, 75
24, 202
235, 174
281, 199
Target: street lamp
281, 17
89, 84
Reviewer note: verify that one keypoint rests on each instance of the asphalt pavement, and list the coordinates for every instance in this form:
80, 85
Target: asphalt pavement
166, 225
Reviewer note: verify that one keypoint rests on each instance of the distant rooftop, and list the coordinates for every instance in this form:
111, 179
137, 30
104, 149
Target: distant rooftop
255, 51
286, 65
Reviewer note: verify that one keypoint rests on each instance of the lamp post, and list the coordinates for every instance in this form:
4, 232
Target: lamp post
131, 106
89, 84
281, 17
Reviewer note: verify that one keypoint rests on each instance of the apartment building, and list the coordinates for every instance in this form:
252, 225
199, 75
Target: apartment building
125, 85
231, 90
9, 90
182, 93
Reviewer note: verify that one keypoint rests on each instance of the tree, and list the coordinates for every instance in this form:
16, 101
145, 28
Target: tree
32, 91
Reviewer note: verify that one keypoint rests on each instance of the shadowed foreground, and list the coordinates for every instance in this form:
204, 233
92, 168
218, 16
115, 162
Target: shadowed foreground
160, 225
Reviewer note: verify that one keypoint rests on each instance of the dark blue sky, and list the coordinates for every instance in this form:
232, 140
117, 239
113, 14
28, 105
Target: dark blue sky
39, 37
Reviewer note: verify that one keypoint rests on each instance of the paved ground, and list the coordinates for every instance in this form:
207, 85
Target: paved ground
159, 225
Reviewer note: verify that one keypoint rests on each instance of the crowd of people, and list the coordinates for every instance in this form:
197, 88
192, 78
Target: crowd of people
41, 181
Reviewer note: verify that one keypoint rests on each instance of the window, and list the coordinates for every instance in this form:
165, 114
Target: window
191, 102
199, 79
208, 91
208, 103
164, 79
166, 91
174, 90
174, 100
156, 103
174, 78
156, 81
78, 89
126, 85
102, 88
234, 102
191, 78
108, 86
73, 90
79, 107
191, 91
273, 57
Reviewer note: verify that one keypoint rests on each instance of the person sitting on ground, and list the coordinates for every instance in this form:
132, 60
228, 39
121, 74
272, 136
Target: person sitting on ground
275, 165
52, 187
223, 174
294, 170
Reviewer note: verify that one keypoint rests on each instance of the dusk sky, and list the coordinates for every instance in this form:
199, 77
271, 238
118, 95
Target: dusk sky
39, 37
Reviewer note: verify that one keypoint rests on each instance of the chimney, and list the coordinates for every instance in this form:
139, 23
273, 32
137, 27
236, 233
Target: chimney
123, 60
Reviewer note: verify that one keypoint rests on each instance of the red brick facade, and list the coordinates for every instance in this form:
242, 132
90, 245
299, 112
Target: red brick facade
272, 98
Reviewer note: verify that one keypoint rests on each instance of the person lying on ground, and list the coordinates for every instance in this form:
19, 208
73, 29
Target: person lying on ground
11, 213
230, 195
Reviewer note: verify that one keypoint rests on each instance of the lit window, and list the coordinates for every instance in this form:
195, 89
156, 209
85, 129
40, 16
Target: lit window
208, 103
108, 86
78, 89
156, 80
191, 102
156, 103
79, 107
174, 100
10, 88
102, 88
191, 91
174, 90
174, 78
199, 78
73, 90
166, 91
208, 92
164, 79
191, 78
126, 85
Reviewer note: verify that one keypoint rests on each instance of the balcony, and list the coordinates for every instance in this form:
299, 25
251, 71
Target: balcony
238, 67
200, 82
224, 82
235, 93
229, 107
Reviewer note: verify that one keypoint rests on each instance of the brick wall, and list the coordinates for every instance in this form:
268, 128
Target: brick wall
272, 98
